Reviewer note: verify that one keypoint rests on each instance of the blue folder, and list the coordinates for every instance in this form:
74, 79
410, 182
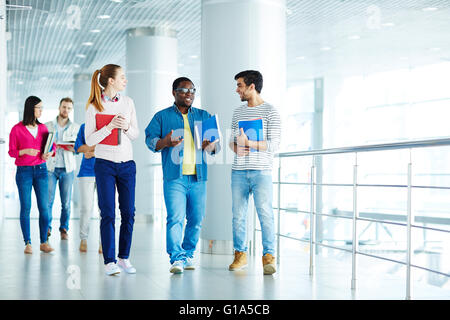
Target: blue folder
210, 130
253, 129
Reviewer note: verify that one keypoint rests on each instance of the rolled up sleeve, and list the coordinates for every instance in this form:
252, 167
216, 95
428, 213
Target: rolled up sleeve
153, 133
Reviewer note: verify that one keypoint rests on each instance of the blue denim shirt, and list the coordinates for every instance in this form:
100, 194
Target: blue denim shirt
87, 165
172, 158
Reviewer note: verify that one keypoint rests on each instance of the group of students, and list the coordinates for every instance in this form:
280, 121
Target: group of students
106, 168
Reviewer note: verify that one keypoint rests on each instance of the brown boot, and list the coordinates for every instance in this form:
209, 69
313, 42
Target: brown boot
28, 249
83, 245
269, 264
45, 247
240, 261
64, 235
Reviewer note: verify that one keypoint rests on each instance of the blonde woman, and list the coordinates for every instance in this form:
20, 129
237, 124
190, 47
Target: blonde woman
114, 165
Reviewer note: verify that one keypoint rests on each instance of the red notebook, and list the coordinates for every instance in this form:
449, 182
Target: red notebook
102, 120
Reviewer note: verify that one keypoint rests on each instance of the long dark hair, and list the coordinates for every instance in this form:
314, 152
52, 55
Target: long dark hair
28, 111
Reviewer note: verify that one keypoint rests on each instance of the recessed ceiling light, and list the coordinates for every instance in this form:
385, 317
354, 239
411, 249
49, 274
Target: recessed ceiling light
404, 58
80, 55
95, 31
88, 44
20, 82
76, 65
300, 58
117, 1
430, 9
104, 16
193, 56
435, 49
354, 37
388, 24
180, 65
325, 48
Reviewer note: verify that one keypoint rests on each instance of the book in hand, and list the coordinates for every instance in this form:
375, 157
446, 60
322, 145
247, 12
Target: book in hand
207, 130
102, 120
253, 129
49, 144
66, 145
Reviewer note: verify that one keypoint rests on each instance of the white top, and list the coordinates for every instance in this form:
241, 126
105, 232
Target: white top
124, 151
59, 162
33, 131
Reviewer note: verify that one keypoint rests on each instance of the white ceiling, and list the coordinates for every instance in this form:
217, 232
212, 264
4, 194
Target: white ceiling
362, 36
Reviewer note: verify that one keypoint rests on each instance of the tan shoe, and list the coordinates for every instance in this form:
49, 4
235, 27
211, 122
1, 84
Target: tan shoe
45, 247
64, 235
269, 264
100, 249
28, 249
83, 245
240, 261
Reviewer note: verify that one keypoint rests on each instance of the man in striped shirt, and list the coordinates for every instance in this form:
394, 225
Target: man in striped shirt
252, 169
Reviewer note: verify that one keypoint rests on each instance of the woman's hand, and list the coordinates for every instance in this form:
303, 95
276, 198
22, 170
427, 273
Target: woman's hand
118, 122
47, 155
29, 151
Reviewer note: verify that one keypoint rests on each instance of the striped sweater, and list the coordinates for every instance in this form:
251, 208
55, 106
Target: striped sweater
258, 160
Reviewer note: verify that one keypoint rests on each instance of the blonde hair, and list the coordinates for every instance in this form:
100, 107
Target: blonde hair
100, 80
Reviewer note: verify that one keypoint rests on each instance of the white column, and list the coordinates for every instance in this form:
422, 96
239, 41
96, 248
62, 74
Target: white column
3, 102
237, 35
151, 68
81, 92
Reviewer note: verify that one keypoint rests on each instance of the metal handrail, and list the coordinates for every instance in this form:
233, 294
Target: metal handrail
355, 214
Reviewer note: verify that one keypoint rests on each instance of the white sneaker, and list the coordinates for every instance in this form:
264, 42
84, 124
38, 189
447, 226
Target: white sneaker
177, 267
189, 264
112, 269
125, 264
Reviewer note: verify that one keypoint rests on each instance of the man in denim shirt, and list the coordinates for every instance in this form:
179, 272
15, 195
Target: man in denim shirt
184, 170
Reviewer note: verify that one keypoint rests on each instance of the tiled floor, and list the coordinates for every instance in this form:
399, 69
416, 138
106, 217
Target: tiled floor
68, 274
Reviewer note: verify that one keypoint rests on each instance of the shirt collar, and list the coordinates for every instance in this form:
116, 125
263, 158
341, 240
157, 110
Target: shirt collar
177, 110
114, 99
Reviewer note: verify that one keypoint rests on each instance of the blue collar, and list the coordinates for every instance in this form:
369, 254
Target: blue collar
114, 99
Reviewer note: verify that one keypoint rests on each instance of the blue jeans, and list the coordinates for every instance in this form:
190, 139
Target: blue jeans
26, 178
65, 192
185, 197
108, 176
258, 182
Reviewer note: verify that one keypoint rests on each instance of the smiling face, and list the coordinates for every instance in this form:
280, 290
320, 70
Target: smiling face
184, 99
119, 82
244, 91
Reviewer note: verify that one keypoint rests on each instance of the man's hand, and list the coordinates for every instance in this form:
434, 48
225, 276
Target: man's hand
242, 151
209, 146
168, 141
242, 139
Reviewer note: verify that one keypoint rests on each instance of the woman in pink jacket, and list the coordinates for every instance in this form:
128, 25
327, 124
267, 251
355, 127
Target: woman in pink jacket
26, 143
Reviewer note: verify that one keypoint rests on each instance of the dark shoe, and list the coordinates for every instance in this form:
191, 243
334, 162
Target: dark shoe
64, 235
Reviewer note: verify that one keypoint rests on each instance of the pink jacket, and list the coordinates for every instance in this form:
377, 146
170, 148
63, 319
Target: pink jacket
20, 138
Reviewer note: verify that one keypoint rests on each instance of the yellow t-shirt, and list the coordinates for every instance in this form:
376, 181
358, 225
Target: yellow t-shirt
189, 149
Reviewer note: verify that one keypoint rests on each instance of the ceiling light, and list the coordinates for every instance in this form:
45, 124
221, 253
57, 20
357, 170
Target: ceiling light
76, 65
430, 9
355, 37
404, 58
20, 82
80, 55
181, 65
87, 44
104, 16
325, 48
435, 49
95, 31
300, 58
289, 11
193, 56
388, 24
117, 1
